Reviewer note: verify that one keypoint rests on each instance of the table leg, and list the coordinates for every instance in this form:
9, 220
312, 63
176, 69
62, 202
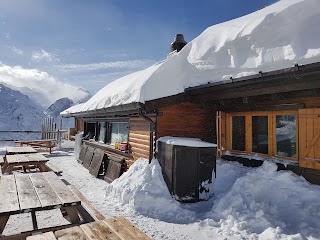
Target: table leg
9, 169
3, 222
72, 213
4, 167
34, 220
43, 167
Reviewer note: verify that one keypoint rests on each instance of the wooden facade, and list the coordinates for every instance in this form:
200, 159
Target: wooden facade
207, 112
139, 138
293, 92
186, 119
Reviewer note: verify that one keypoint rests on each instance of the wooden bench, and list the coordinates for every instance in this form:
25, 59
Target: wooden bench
53, 168
118, 228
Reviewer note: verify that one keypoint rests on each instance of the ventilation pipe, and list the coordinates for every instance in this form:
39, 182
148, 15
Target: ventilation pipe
178, 43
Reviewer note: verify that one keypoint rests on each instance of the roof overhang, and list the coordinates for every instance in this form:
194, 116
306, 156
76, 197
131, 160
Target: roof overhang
296, 78
115, 111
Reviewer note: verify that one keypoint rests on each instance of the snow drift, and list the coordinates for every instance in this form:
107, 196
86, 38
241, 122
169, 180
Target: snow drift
258, 203
276, 37
266, 202
142, 189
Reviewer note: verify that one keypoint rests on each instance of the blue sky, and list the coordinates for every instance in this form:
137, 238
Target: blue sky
90, 43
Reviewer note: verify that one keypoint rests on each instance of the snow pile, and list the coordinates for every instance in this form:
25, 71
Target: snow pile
142, 189
276, 37
265, 203
190, 142
248, 203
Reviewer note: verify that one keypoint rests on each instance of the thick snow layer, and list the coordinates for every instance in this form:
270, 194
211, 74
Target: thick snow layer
143, 189
189, 142
276, 37
73, 109
248, 203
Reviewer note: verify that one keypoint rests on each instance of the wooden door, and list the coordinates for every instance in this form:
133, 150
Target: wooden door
309, 138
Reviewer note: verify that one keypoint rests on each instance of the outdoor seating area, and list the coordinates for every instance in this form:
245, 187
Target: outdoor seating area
47, 144
30, 184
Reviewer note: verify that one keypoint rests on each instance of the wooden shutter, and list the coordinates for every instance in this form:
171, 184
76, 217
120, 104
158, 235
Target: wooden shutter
309, 138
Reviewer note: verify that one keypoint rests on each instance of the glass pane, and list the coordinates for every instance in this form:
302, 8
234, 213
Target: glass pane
102, 131
260, 134
119, 132
90, 131
238, 133
286, 135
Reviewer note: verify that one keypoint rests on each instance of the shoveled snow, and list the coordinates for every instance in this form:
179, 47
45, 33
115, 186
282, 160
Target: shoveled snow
276, 37
248, 203
190, 142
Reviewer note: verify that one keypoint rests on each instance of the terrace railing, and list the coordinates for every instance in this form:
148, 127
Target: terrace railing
15, 135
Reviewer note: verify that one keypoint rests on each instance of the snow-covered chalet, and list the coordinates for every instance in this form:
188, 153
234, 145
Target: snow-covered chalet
251, 85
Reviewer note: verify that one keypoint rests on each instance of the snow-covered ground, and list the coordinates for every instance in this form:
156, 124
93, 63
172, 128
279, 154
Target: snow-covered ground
246, 203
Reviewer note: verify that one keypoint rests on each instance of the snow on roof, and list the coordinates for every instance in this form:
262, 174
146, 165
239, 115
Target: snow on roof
276, 37
71, 110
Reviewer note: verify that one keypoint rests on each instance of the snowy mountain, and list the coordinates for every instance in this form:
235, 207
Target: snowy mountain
39, 86
61, 104
275, 37
18, 112
54, 111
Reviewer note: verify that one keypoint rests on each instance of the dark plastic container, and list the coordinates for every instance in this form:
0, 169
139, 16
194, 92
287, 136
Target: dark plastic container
187, 171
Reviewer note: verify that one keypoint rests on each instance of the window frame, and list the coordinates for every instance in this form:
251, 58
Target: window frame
107, 138
271, 132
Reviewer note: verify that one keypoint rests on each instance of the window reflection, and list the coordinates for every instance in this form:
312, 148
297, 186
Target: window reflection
238, 133
260, 134
102, 131
286, 135
119, 132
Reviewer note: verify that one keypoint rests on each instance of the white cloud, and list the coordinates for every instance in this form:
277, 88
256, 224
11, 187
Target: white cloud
16, 50
133, 64
39, 56
38, 85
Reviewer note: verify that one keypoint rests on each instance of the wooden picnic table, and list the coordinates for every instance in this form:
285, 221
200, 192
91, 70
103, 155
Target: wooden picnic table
18, 161
46, 143
23, 193
20, 150
118, 228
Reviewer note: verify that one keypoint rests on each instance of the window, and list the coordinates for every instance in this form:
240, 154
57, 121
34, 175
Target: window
107, 132
90, 131
238, 133
118, 132
273, 133
260, 134
102, 130
286, 135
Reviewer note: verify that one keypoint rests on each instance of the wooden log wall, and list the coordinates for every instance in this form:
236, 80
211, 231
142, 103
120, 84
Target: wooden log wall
79, 125
139, 138
187, 120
